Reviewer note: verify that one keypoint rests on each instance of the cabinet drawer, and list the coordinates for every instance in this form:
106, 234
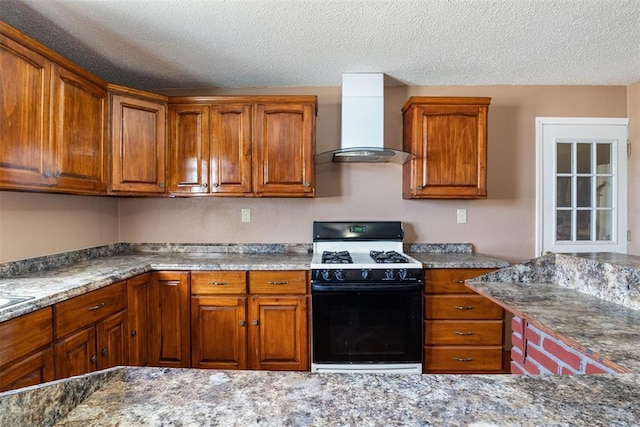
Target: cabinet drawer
462, 359
24, 334
456, 332
451, 280
219, 282
460, 307
86, 309
278, 282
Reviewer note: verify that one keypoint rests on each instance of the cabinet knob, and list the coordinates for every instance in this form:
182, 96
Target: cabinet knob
307, 184
420, 187
242, 323
94, 359
161, 185
134, 333
56, 175
205, 185
47, 174
254, 322
105, 351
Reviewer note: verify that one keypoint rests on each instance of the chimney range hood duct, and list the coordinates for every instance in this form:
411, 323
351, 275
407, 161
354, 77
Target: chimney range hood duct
363, 123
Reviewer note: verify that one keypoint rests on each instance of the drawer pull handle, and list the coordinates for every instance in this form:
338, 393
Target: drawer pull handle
463, 359
96, 307
278, 283
460, 282
218, 283
463, 307
463, 333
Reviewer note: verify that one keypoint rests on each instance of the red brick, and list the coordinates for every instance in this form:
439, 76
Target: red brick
515, 369
517, 355
530, 368
593, 369
532, 335
567, 371
566, 355
516, 324
542, 358
517, 342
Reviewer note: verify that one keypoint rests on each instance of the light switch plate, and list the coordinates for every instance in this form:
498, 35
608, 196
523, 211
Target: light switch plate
246, 215
462, 216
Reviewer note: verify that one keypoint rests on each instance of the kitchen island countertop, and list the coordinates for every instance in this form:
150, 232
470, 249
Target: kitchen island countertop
187, 397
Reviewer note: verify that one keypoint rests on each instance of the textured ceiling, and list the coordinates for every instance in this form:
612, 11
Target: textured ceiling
169, 44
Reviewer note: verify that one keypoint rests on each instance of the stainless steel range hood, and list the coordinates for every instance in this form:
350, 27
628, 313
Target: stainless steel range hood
363, 123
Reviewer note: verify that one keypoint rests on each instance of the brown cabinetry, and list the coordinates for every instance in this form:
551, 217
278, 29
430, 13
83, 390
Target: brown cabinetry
53, 120
170, 334
448, 136
138, 321
267, 329
242, 145
91, 331
26, 356
463, 331
137, 141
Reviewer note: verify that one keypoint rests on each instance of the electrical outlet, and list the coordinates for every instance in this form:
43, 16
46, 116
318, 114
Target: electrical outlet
246, 215
462, 216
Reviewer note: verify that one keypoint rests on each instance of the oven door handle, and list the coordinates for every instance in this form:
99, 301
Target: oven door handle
318, 287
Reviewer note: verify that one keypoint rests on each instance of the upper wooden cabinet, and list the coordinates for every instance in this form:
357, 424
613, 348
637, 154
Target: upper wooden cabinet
242, 145
448, 135
53, 119
137, 141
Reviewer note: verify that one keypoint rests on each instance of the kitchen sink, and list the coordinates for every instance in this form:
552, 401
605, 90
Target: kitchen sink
6, 301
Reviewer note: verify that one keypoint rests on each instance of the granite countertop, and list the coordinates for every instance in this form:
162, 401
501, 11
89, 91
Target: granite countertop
590, 301
49, 280
189, 397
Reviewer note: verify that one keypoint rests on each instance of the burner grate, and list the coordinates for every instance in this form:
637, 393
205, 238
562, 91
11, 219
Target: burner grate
339, 257
388, 257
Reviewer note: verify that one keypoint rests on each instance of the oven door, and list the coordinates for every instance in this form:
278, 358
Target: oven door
366, 325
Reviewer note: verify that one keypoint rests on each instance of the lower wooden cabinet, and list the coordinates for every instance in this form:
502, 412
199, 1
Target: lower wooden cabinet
91, 332
26, 357
463, 331
265, 329
139, 321
170, 314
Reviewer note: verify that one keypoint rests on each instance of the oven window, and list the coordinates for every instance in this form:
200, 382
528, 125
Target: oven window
363, 327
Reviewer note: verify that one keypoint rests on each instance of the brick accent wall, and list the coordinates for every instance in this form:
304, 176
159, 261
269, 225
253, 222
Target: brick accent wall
536, 351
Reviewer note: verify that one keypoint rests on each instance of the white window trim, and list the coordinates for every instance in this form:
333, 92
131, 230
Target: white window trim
540, 123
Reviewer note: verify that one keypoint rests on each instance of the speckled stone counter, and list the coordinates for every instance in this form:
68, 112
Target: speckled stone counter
49, 280
184, 397
589, 300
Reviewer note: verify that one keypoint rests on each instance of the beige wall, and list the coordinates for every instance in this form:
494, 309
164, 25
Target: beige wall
503, 225
42, 224
633, 107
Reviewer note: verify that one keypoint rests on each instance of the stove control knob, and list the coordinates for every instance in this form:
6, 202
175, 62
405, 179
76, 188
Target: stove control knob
326, 274
403, 274
388, 274
339, 275
365, 273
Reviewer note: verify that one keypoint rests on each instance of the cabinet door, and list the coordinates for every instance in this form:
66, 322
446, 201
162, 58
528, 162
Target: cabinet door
79, 113
76, 354
278, 333
112, 342
137, 145
230, 149
283, 148
188, 149
31, 370
450, 144
219, 332
138, 289
24, 115
170, 336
